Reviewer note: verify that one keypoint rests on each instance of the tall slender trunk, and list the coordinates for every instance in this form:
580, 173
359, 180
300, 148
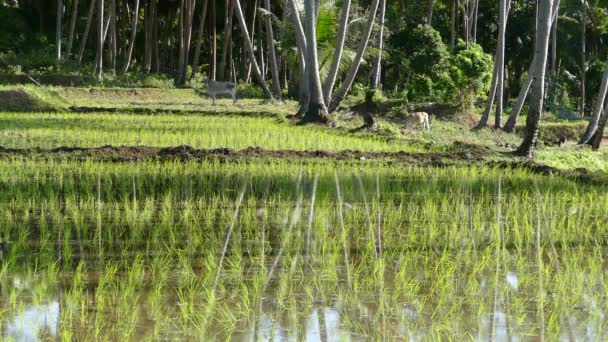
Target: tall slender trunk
537, 91
597, 109
58, 28
256, 70
504, 7
523, 93
583, 56
509, 126
453, 24
317, 111
497, 89
213, 62
72, 29
352, 73
429, 15
302, 51
475, 17
252, 29
554, 48
85, 35
227, 40
113, 45
274, 67
183, 9
186, 38
377, 72
598, 136
199, 40
99, 62
133, 35
330, 81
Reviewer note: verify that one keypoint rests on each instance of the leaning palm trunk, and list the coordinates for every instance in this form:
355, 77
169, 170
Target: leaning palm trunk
352, 73
199, 39
597, 110
377, 71
317, 111
537, 91
497, 90
72, 29
274, 68
301, 44
249, 47
521, 99
597, 138
523, 93
330, 81
132, 40
85, 36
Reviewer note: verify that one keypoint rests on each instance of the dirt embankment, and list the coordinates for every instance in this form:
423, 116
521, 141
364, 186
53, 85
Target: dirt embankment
460, 152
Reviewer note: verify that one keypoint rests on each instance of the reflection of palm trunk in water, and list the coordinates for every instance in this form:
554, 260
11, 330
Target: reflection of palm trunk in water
322, 325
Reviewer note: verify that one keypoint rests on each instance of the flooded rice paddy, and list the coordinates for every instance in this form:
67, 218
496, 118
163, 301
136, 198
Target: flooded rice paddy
277, 250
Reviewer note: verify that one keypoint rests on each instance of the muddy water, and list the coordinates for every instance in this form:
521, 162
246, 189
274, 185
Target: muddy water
419, 296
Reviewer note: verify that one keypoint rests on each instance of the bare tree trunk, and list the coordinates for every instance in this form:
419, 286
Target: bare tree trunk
227, 40
85, 36
475, 21
58, 28
521, 99
483, 122
317, 111
252, 38
330, 81
186, 37
597, 138
302, 51
133, 35
583, 56
213, 63
377, 71
274, 67
183, 8
429, 15
523, 93
453, 25
72, 29
113, 46
150, 20
504, 8
597, 110
99, 62
352, 73
554, 48
537, 92
199, 40
245, 34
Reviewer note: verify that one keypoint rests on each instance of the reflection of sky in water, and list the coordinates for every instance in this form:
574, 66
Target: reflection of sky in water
28, 325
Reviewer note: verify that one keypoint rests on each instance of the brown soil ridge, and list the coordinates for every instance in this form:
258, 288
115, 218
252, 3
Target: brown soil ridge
458, 152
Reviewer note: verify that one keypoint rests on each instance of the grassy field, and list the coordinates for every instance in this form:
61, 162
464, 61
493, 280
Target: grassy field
283, 248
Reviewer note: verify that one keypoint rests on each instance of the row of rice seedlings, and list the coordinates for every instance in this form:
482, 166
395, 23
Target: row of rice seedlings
48, 130
422, 276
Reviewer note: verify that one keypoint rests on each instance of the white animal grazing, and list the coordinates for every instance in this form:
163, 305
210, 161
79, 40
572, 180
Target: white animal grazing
418, 118
215, 88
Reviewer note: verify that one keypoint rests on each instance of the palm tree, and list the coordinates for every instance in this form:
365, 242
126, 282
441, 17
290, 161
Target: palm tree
330, 81
317, 111
537, 91
597, 110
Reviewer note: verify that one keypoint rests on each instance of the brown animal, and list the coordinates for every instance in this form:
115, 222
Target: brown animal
418, 118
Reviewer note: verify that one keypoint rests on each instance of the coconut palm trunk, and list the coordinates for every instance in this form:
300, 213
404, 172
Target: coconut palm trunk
377, 71
221, 70
99, 59
330, 81
58, 28
72, 29
249, 47
597, 138
132, 39
272, 54
87, 28
537, 91
302, 51
352, 73
199, 39
317, 111
597, 110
